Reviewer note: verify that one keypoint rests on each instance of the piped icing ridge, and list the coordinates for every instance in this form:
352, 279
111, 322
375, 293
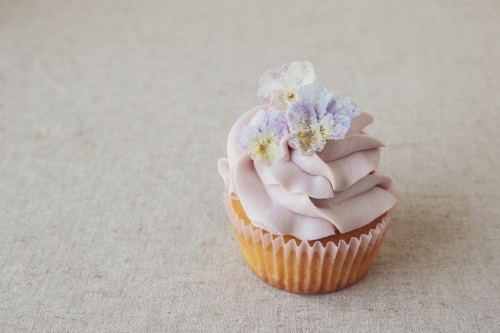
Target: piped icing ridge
309, 175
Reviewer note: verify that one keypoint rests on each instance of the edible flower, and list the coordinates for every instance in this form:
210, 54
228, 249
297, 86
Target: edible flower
304, 111
343, 110
315, 118
263, 134
311, 124
280, 87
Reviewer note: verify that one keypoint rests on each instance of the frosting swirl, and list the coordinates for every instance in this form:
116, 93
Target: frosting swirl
313, 196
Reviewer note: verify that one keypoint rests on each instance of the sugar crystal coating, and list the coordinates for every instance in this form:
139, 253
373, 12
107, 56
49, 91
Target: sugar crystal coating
263, 134
300, 108
279, 87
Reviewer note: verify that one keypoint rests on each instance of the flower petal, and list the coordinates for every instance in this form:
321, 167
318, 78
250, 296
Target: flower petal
317, 96
299, 74
344, 106
263, 134
287, 78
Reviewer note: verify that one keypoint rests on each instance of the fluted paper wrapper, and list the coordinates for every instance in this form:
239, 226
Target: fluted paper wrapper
305, 268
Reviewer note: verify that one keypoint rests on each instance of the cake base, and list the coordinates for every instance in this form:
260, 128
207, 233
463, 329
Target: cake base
308, 267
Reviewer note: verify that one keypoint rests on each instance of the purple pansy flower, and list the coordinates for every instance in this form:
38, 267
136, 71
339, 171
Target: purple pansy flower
315, 118
263, 134
311, 124
343, 110
300, 108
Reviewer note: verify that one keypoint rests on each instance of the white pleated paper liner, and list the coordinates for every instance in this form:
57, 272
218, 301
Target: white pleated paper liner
304, 268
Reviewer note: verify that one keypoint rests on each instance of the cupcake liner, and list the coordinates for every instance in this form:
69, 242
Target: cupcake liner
305, 268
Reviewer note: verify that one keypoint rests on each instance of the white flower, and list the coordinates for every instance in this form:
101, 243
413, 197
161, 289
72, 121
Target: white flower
263, 134
265, 147
280, 87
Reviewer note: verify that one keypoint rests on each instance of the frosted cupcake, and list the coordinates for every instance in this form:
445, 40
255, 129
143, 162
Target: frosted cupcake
302, 192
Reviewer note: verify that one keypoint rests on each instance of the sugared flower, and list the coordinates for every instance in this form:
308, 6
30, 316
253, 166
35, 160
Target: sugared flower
315, 95
311, 124
301, 109
263, 134
280, 86
343, 110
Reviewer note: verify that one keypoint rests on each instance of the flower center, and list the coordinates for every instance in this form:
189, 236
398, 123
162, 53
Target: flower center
290, 97
324, 132
307, 139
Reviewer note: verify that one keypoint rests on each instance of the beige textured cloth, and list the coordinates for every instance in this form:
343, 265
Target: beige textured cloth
113, 115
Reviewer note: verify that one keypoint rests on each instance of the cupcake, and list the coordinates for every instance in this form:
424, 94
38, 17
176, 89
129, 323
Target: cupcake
308, 207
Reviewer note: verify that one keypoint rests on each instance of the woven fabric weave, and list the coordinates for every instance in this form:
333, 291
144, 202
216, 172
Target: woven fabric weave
113, 115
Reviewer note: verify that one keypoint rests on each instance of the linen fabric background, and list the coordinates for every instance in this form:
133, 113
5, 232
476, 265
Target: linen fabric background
113, 115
